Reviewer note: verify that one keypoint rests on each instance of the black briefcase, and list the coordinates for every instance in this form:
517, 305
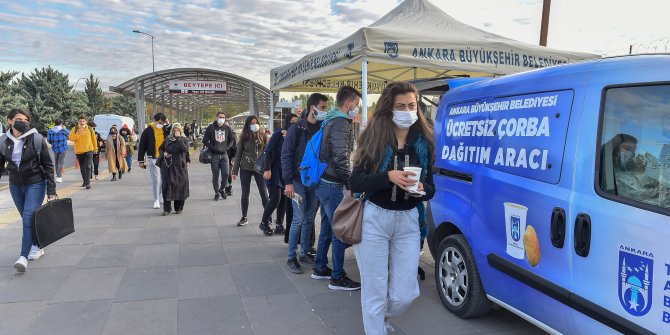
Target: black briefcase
53, 221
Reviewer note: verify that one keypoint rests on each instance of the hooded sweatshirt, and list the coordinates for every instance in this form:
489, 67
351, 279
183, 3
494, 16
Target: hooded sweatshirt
24, 163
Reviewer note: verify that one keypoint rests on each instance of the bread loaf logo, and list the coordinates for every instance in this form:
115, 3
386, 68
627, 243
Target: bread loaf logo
636, 280
532, 245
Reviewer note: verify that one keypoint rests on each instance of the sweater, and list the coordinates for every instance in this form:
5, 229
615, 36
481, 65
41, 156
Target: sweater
84, 141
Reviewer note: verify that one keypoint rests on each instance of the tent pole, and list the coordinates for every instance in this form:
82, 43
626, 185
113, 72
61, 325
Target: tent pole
364, 93
271, 124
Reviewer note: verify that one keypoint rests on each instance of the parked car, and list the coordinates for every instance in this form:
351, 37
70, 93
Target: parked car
553, 196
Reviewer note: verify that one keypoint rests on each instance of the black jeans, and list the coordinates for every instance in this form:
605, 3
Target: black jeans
96, 162
276, 202
220, 168
85, 166
245, 180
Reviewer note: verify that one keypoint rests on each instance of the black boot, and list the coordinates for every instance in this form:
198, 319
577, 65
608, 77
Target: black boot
113, 176
265, 228
120, 175
279, 229
229, 191
224, 196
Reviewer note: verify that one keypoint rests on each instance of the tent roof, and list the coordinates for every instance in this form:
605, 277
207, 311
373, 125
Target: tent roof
415, 40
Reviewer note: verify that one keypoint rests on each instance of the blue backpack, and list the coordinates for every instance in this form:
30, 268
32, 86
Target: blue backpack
311, 167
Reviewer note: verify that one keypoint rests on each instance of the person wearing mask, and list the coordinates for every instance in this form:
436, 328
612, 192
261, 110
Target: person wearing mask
57, 137
96, 154
273, 180
303, 199
115, 150
251, 144
31, 176
231, 156
393, 218
130, 146
336, 146
151, 139
85, 145
174, 170
219, 138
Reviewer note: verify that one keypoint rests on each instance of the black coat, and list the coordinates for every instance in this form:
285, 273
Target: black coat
29, 171
174, 171
336, 146
147, 145
273, 159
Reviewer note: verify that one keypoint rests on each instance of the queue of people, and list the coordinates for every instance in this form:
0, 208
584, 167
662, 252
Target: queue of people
398, 136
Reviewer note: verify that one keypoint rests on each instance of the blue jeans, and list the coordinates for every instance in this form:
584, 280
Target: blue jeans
129, 160
303, 220
330, 196
387, 258
27, 199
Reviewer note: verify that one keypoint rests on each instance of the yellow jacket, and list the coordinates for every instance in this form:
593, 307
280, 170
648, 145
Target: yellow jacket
85, 141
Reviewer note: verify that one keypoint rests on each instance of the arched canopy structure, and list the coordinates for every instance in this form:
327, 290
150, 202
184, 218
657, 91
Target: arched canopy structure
153, 88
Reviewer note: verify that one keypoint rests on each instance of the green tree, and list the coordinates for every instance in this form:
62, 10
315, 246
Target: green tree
9, 95
47, 92
75, 106
96, 100
122, 105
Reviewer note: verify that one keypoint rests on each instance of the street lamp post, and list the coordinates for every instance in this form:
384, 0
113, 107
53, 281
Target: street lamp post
75, 84
153, 67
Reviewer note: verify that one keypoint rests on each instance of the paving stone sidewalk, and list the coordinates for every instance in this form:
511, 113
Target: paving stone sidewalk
129, 270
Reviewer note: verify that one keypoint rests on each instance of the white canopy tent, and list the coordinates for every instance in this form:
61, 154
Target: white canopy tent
415, 40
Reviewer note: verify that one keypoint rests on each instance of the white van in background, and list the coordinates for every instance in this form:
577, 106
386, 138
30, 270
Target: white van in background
104, 122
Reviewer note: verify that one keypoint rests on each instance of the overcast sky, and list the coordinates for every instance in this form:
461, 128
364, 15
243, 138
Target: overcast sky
250, 37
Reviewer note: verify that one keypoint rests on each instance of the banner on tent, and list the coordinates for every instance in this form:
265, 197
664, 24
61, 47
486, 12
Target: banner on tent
315, 63
329, 84
486, 57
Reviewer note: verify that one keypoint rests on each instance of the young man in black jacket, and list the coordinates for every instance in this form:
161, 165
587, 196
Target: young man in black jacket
304, 211
336, 146
151, 139
219, 138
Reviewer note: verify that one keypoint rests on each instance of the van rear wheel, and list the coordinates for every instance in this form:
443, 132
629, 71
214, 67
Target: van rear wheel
457, 279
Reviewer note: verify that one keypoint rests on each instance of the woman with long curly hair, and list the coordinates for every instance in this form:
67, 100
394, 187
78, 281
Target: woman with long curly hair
397, 137
251, 144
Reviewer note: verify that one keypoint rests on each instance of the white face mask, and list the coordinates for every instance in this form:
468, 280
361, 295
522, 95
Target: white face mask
254, 127
221, 121
319, 115
353, 112
159, 126
404, 119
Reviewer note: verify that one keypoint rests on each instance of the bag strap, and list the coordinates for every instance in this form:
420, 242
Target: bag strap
3, 148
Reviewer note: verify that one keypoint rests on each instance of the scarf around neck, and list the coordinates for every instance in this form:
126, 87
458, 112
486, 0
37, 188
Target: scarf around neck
421, 149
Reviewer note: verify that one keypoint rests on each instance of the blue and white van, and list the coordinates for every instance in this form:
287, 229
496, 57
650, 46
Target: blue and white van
553, 196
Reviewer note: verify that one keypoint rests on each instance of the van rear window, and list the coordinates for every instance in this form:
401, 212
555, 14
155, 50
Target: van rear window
635, 145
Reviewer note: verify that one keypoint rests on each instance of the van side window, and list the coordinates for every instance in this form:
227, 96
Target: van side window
635, 145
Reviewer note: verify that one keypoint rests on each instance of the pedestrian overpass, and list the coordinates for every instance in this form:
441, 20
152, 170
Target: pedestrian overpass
187, 93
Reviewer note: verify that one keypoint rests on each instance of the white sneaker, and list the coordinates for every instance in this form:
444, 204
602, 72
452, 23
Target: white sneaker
35, 253
59, 179
157, 205
21, 264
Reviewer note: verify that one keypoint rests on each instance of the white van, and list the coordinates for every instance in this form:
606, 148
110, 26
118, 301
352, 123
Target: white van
104, 122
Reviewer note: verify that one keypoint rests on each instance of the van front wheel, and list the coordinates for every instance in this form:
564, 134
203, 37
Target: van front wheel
457, 279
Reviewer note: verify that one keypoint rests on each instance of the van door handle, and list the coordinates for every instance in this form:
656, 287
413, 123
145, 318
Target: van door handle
583, 234
558, 227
